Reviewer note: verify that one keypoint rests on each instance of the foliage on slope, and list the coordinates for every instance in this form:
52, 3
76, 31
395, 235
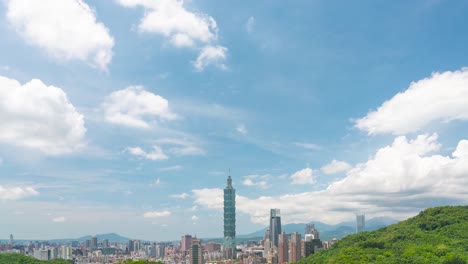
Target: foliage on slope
129, 261
14, 258
436, 235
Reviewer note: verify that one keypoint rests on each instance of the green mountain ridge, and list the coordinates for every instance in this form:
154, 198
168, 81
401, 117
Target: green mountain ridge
435, 235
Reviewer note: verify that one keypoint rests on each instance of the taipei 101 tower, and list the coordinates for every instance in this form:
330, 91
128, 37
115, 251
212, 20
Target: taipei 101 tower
229, 246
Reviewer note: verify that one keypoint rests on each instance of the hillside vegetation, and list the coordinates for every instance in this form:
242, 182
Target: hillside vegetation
14, 258
436, 235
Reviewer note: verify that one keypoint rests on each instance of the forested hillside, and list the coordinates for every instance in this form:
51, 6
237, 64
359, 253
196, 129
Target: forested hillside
436, 235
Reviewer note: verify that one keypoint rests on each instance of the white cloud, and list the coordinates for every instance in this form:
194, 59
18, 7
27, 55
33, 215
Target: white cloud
241, 129
304, 176
181, 147
156, 214
59, 219
65, 29
156, 154
171, 168
194, 217
438, 98
399, 181
308, 146
15, 193
257, 180
39, 117
182, 28
180, 196
171, 19
250, 24
335, 166
215, 55
136, 107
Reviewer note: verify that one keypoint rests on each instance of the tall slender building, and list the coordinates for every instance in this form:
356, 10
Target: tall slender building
185, 244
229, 246
283, 248
275, 226
196, 252
295, 247
360, 223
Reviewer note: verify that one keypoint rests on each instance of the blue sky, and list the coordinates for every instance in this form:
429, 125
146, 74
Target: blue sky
125, 116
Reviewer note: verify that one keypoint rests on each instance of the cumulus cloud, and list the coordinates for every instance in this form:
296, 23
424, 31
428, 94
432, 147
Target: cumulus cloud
65, 29
180, 196
181, 147
257, 180
250, 24
438, 98
171, 19
398, 181
136, 107
335, 166
304, 176
194, 217
16, 193
182, 28
59, 219
156, 154
215, 55
39, 117
156, 214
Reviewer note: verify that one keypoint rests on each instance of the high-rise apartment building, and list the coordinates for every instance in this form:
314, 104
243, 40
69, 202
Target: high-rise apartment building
196, 253
105, 243
160, 251
229, 246
308, 229
295, 246
283, 248
93, 243
275, 226
360, 223
185, 244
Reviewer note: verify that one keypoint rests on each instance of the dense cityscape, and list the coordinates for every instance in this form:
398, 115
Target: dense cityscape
275, 247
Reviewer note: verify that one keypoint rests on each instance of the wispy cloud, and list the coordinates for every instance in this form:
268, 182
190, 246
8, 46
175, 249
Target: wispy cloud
250, 24
156, 214
171, 168
180, 196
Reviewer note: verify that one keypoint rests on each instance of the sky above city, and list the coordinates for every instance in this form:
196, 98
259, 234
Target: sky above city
126, 116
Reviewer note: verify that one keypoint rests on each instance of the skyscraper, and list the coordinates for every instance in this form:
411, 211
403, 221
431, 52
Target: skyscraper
196, 252
360, 223
295, 247
275, 226
93, 244
11, 239
283, 248
185, 244
229, 246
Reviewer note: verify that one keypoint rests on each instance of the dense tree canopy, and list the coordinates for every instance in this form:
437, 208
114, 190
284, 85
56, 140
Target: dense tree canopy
436, 235
14, 258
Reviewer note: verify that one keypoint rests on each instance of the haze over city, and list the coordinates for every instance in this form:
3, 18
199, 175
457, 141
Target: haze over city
127, 116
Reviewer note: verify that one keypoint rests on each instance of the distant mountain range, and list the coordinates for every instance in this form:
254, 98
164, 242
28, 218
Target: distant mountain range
326, 231
112, 237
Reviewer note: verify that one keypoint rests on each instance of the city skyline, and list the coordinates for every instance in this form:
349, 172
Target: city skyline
125, 116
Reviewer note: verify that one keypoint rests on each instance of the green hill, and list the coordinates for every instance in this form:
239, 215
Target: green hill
436, 235
13, 258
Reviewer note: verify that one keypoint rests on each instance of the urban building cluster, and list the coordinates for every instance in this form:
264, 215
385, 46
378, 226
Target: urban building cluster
276, 246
